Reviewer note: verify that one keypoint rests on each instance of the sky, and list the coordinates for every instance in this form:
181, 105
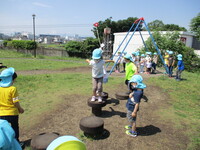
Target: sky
78, 16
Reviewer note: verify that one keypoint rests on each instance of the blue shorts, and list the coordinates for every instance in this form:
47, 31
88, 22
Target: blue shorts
131, 119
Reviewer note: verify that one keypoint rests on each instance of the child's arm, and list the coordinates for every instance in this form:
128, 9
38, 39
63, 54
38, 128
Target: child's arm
87, 60
134, 113
20, 109
109, 61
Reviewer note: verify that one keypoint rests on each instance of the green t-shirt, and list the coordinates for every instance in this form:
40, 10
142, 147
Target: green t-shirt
130, 70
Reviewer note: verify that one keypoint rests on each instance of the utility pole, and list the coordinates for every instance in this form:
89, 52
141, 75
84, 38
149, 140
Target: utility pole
34, 35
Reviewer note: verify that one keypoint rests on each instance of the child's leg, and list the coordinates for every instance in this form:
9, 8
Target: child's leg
134, 126
94, 83
100, 88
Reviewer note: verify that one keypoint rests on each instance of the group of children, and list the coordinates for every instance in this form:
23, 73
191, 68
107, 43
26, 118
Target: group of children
9, 101
170, 60
131, 63
144, 63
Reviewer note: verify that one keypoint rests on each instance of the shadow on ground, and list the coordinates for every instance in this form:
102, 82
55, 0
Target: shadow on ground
148, 130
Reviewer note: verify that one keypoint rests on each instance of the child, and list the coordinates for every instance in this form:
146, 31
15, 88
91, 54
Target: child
142, 63
9, 100
166, 57
171, 62
117, 60
154, 63
148, 63
130, 68
180, 67
132, 105
97, 73
137, 59
123, 62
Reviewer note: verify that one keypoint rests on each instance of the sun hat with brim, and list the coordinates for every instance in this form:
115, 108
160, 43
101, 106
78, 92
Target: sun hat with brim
6, 77
179, 58
96, 54
138, 79
66, 142
128, 56
142, 55
179, 55
170, 52
155, 53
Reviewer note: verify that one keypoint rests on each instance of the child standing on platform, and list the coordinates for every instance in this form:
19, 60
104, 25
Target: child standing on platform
97, 73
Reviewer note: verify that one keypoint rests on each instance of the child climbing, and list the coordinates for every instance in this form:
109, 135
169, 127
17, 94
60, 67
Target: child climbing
136, 87
97, 64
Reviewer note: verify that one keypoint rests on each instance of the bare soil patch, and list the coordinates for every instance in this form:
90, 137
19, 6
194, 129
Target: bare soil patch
153, 133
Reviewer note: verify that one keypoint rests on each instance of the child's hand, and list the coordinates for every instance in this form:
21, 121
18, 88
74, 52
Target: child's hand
134, 114
87, 60
21, 110
130, 95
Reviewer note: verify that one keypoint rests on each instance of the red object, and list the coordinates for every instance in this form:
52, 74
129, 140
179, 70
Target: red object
96, 24
136, 21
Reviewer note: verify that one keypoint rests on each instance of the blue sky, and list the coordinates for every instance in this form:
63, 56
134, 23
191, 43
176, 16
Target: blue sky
77, 16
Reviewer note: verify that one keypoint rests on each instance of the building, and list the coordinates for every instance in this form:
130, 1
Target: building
137, 43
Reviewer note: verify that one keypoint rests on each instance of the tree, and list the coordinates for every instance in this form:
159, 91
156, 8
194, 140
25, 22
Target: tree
195, 26
116, 26
158, 25
171, 41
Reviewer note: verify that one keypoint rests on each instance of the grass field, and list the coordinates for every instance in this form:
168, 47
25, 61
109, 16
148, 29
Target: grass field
39, 93
184, 111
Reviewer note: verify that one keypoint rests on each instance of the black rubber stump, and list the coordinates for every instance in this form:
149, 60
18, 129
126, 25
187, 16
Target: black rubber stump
96, 106
122, 95
41, 141
104, 95
92, 125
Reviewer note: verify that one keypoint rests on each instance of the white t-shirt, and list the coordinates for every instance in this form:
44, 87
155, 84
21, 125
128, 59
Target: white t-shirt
97, 68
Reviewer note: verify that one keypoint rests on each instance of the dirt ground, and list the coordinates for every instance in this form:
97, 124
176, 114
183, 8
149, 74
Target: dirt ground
155, 133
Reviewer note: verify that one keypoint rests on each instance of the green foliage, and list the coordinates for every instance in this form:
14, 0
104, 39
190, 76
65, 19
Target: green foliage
170, 41
158, 25
21, 44
116, 26
82, 49
195, 26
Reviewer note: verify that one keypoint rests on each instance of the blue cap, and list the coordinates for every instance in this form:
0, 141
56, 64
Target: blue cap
142, 55
133, 53
155, 53
179, 58
125, 53
170, 52
96, 54
128, 56
179, 55
6, 77
138, 79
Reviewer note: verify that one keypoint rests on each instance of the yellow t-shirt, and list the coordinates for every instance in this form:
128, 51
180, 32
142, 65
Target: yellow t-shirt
130, 70
8, 96
166, 59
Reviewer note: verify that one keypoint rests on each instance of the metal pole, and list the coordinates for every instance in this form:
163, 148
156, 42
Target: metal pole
34, 35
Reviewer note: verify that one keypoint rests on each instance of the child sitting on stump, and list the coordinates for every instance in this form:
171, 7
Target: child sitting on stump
97, 64
132, 105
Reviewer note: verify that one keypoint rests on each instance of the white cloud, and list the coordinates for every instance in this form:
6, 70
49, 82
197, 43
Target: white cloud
42, 5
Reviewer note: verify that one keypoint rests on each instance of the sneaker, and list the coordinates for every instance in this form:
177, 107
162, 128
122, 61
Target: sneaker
128, 127
99, 99
93, 99
131, 133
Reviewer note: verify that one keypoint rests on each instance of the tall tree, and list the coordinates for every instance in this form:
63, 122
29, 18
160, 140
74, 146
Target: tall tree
195, 26
158, 25
116, 26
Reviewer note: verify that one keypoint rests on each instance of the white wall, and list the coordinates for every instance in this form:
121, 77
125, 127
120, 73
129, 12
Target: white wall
136, 41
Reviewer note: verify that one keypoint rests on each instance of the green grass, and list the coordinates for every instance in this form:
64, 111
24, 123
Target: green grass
185, 104
40, 93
